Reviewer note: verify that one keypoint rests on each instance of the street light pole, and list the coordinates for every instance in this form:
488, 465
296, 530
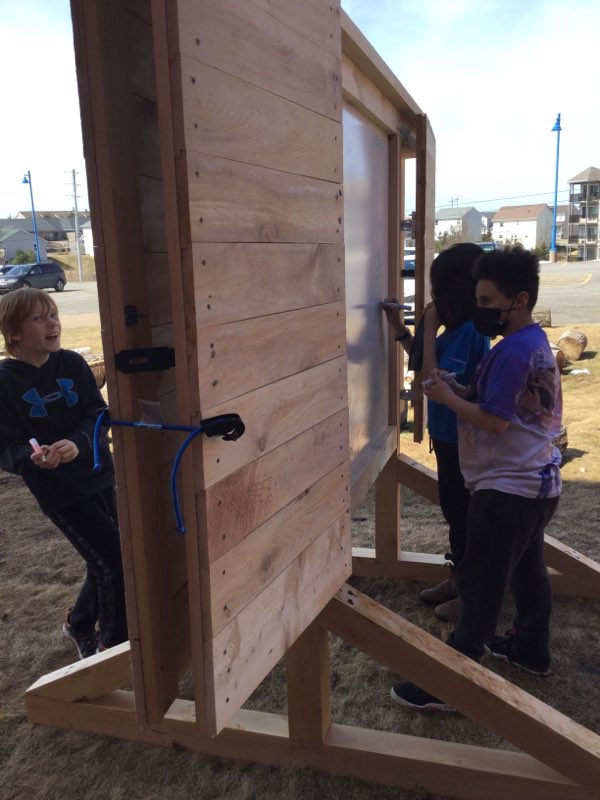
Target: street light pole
27, 179
556, 129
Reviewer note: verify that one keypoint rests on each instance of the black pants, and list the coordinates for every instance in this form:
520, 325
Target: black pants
505, 546
92, 528
454, 497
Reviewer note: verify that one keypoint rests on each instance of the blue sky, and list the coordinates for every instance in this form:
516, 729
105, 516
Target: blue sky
491, 75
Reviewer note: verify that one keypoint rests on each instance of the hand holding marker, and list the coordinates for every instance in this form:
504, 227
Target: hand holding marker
35, 446
449, 376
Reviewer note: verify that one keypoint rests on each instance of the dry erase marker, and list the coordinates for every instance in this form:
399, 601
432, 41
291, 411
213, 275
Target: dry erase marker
35, 446
449, 376
399, 306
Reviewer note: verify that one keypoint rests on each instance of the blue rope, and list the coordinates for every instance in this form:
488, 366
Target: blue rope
229, 426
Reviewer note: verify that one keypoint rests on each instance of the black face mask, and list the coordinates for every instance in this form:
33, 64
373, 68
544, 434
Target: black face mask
487, 320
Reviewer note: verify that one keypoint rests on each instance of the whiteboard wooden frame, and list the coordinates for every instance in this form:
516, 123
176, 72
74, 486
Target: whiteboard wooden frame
559, 759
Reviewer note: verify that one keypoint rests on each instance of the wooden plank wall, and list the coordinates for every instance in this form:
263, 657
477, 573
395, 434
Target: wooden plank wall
257, 161
116, 77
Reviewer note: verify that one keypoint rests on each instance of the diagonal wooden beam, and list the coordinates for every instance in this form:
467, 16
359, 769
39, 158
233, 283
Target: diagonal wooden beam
483, 696
578, 572
87, 679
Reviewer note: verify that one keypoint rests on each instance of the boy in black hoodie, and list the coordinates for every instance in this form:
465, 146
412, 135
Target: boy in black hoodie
49, 402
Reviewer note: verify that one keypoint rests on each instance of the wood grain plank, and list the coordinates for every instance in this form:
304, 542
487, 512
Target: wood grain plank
234, 359
246, 570
360, 93
240, 281
234, 202
241, 39
249, 647
240, 503
274, 414
317, 20
227, 117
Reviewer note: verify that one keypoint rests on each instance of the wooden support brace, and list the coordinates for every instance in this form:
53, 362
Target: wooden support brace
418, 478
308, 685
480, 694
87, 679
387, 513
580, 576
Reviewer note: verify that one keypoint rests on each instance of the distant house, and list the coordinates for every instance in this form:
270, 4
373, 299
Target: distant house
56, 227
530, 226
462, 222
584, 211
13, 238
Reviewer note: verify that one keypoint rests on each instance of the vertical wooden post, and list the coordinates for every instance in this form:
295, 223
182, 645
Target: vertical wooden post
395, 206
308, 685
425, 226
387, 513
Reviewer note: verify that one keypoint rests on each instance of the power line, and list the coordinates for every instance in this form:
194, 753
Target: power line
515, 197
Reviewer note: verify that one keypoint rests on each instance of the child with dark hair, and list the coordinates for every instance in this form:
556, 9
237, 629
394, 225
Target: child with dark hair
507, 429
458, 349
49, 402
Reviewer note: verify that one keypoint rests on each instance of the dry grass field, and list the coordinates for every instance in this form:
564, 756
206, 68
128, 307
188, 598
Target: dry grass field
41, 574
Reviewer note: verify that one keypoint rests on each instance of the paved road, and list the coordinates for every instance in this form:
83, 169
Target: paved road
77, 298
571, 292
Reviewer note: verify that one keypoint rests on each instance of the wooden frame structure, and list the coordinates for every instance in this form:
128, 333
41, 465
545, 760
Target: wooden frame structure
169, 249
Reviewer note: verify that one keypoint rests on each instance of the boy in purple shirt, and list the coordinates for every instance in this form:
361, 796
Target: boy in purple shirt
507, 424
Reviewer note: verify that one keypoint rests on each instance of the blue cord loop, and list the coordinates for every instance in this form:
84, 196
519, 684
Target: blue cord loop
229, 426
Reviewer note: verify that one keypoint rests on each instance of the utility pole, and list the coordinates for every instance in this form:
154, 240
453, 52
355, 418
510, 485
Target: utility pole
77, 242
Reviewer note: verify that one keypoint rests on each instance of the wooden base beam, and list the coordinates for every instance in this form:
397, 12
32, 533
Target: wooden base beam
465, 771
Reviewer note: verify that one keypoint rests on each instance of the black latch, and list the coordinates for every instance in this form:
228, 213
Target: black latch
145, 359
132, 315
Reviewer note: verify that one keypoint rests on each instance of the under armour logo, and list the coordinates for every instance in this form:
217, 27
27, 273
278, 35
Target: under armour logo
38, 403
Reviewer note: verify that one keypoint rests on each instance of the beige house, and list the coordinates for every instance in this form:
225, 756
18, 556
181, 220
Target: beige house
530, 226
584, 211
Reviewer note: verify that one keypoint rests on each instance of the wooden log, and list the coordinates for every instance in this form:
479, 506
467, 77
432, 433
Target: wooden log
572, 343
559, 356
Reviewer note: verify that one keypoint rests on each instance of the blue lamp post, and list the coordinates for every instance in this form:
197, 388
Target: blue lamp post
27, 179
556, 129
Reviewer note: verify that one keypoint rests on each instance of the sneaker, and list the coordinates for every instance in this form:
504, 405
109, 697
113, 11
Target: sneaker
445, 591
86, 643
412, 696
506, 648
449, 611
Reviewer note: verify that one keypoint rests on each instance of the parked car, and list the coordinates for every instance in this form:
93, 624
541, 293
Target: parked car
46, 275
487, 247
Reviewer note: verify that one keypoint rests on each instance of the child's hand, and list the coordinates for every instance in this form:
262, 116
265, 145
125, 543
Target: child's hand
61, 452
40, 456
436, 388
392, 313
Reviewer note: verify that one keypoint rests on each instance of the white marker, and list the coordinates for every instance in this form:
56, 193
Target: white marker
35, 446
449, 376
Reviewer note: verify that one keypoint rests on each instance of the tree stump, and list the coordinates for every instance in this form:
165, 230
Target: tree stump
543, 318
99, 371
559, 356
572, 343
562, 441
